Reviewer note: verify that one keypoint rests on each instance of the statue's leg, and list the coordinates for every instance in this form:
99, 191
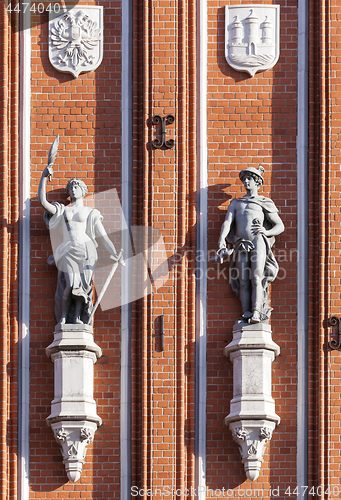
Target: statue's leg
78, 310
244, 272
257, 257
66, 299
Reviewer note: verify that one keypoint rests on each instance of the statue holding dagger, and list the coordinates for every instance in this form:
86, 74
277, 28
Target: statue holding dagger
74, 230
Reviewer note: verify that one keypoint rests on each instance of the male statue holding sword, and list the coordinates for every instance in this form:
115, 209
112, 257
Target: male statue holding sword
74, 229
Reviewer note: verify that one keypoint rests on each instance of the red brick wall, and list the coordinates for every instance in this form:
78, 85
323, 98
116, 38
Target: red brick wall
314, 246
325, 163
164, 188
9, 233
251, 122
85, 112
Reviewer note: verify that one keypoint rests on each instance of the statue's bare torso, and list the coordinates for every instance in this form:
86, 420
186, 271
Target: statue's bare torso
77, 220
245, 212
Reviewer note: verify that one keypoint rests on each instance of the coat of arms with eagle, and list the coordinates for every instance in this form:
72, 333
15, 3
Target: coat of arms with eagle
76, 40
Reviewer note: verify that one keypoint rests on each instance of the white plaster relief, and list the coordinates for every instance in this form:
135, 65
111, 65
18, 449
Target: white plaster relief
252, 37
76, 40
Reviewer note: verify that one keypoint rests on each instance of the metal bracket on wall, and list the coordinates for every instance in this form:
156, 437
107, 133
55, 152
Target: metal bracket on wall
333, 343
162, 332
165, 120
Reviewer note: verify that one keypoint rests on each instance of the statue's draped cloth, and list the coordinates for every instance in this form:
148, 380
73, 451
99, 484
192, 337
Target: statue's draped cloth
271, 266
76, 258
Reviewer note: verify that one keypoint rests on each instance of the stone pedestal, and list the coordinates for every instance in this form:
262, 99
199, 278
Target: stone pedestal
252, 418
73, 417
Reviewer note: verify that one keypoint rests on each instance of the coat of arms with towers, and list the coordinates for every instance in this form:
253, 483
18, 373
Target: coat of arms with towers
252, 42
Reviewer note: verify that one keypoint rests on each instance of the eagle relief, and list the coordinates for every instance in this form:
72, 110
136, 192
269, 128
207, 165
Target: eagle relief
76, 39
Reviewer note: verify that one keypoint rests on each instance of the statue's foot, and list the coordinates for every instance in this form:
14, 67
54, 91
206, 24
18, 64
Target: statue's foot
247, 315
255, 317
62, 321
78, 321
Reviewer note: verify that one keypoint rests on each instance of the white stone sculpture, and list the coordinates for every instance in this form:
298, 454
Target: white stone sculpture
76, 39
251, 224
252, 37
74, 230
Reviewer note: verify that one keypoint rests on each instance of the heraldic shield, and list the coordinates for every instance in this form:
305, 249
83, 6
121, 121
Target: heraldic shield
76, 39
252, 37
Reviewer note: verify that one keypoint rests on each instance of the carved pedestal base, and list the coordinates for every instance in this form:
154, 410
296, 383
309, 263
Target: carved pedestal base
73, 437
73, 418
252, 418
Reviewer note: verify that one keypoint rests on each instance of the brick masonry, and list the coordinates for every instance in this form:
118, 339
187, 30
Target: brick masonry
9, 234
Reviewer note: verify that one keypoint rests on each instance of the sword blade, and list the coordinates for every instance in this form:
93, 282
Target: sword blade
104, 289
106, 284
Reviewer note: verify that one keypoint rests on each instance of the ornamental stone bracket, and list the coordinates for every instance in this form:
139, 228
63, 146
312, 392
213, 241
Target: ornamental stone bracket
73, 417
252, 418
